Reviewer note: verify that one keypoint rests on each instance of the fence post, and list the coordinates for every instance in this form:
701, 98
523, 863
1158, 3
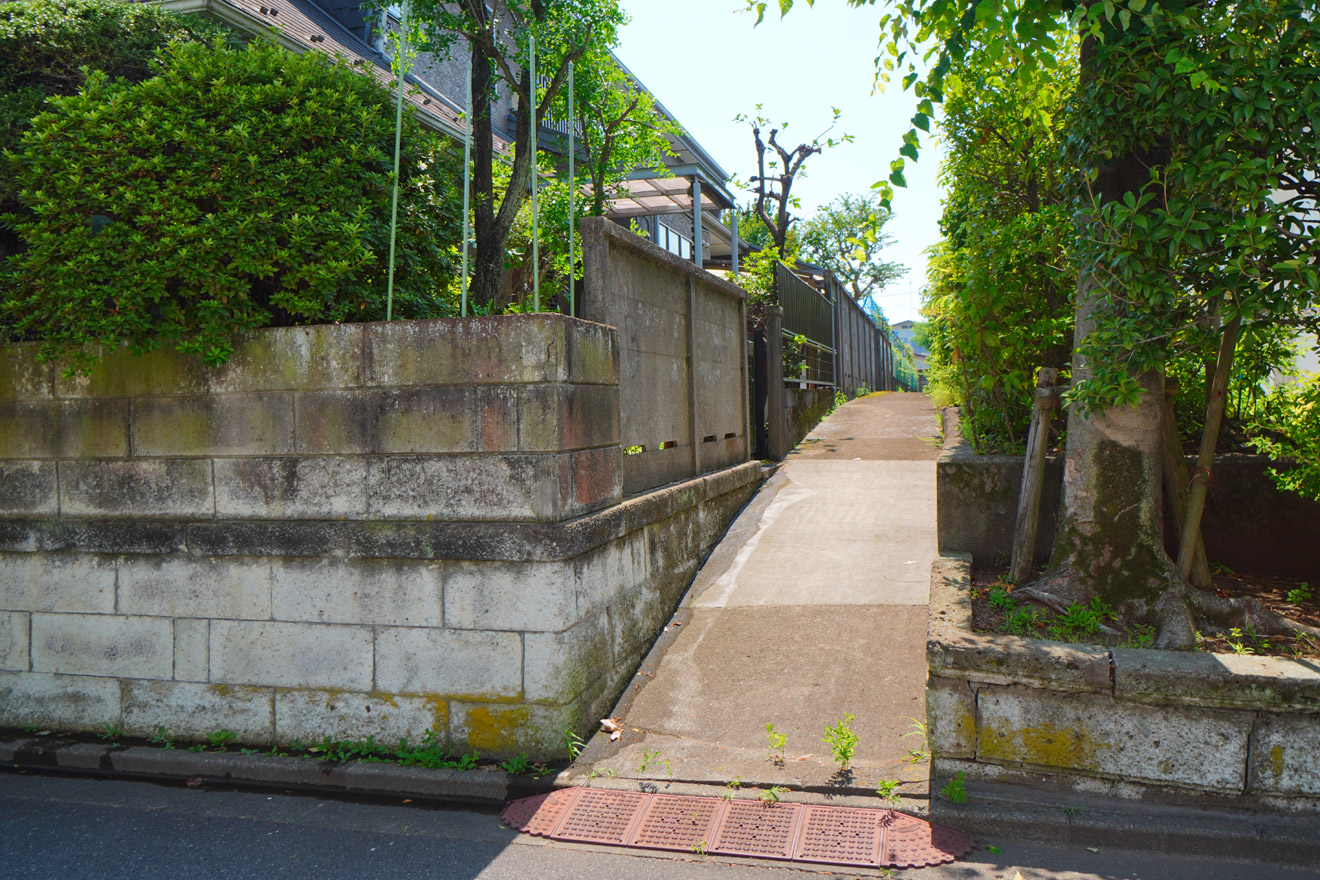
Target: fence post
774, 398
693, 412
1033, 473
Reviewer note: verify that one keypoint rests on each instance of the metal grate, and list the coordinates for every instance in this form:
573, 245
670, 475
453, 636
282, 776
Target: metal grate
821, 834
752, 828
601, 817
677, 823
840, 836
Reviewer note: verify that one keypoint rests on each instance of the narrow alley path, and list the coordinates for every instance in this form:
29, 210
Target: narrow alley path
813, 606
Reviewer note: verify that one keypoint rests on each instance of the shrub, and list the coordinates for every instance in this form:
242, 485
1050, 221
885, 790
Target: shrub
237, 189
45, 46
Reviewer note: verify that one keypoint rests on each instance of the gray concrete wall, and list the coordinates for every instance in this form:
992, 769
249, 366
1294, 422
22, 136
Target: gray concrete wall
1249, 524
346, 531
682, 351
1128, 722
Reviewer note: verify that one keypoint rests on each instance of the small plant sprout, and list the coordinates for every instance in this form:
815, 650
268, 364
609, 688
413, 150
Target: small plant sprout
112, 732
771, 795
775, 742
731, 788
699, 848
841, 740
888, 791
516, 766
221, 738
648, 758
573, 743
956, 789
921, 753
163, 738
1299, 595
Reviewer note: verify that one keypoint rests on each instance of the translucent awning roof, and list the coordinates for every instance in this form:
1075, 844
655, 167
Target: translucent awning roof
646, 192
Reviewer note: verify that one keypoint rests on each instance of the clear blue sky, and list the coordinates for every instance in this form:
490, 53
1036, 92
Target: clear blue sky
707, 64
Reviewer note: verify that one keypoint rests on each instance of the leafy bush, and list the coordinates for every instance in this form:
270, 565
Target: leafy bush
237, 189
1289, 429
45, 46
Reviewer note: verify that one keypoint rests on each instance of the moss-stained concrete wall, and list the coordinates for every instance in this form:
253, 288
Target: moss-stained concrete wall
345, 531
1128, 722
1249, 524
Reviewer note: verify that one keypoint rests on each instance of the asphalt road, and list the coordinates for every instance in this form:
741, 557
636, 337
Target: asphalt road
65, 828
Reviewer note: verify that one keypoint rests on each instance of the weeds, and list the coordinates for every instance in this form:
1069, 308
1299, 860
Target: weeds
775, 741
921, 754
574, 743
1140, 635
731, 788
648, 758
163, 738
888, 791
221, 738
842, 741
1299, 595
956, 789
771, 795
111, 732
516, 766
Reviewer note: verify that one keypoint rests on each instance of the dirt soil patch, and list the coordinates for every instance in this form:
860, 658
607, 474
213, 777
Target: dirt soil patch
994, 610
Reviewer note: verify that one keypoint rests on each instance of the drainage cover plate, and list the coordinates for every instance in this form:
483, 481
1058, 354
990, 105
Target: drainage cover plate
791, 832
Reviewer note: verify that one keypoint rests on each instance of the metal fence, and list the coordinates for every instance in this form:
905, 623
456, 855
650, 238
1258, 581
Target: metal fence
809, 314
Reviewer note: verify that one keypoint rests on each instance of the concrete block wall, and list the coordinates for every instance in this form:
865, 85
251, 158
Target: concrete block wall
347, 531
1125, 722
682, 349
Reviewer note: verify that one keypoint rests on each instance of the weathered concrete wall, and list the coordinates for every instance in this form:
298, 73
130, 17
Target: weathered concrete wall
346, 531
1121, 721
683, 364
1249, 524
803, 410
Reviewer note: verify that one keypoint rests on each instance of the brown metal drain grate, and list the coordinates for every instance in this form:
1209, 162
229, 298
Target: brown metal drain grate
792, 832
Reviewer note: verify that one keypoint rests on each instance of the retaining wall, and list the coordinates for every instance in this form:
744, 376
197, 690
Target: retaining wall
1249, 524
346, 531
1127, 722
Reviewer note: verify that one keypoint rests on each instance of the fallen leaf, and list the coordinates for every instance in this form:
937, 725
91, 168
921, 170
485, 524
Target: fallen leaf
614, 737
407, 800
192, 783
993, 849
1093, 849
610, 725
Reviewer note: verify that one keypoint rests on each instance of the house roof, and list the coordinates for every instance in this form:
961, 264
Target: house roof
301, 26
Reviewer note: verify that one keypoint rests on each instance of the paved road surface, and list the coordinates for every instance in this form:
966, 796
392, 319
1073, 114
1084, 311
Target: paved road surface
60, 828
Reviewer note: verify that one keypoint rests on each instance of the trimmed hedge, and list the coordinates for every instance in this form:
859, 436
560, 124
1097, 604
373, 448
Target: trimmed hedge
238, 188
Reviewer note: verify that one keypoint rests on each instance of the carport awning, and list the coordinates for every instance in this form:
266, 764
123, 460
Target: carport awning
646, 193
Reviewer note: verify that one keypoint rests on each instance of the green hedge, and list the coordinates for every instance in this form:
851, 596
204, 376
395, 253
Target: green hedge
236, 189
47, 46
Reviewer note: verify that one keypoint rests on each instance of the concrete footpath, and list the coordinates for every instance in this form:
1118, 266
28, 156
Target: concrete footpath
813, 606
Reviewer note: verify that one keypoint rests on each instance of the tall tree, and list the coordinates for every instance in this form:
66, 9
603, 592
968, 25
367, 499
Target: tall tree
497, 36
847, 237
778, 168
1193, 133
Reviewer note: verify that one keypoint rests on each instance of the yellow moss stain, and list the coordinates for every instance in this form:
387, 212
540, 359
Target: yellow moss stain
495, 730
1043, 744
1276, 761
220, 690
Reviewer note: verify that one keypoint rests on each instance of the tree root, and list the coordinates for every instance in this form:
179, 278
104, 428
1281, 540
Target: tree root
1246, 612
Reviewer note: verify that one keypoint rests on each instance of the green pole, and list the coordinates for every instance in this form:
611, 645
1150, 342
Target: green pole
402, 60
572, 191
536, 230
467, 183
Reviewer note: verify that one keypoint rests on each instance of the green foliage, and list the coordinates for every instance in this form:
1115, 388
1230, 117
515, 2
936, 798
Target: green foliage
842, 740
47, 48
1219, 102
517, 765
998, 301
771, 795
888, 791
847, 237
1299, 595
235, 190
956, 789
219, 739
775, 741
1288, 430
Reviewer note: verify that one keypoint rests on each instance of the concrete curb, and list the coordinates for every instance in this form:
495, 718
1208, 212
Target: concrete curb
995, 813
482, 786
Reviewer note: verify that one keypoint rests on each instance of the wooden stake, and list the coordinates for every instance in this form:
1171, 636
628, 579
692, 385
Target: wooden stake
1033, 473
1176, 482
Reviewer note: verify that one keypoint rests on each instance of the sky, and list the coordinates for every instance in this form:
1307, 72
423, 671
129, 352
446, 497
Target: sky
707, 63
